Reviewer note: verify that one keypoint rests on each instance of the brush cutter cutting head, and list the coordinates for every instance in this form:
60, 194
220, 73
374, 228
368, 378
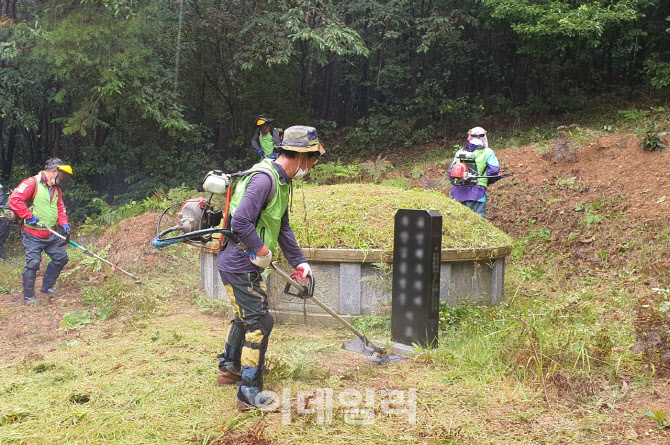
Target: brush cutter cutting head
362, 347
358, 346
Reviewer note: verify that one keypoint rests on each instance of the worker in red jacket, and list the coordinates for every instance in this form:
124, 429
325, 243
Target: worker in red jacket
39, 199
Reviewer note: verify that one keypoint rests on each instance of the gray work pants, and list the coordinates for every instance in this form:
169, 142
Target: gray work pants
34, 247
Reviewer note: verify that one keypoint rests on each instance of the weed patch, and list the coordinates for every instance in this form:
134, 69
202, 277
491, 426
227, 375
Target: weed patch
75, 320
114, 298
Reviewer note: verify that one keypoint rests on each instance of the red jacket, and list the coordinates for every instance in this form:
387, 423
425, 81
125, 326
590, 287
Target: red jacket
25, 192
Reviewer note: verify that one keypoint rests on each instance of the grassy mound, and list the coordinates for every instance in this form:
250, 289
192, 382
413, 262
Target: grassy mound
361, 216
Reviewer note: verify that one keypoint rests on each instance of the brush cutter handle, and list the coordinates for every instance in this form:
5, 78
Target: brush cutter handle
494, 176
159, 242
304, 292
303, 289
307, 291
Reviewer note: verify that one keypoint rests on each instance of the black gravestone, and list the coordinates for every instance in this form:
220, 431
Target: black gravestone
417, 249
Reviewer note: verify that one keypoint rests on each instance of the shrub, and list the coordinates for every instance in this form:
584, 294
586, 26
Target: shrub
333, 172
563, 148
374, 169
652, 139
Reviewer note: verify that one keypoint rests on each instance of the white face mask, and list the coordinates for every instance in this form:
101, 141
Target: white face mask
299, 173
51, 181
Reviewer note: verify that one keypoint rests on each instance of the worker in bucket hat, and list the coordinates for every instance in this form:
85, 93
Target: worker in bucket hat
259, 215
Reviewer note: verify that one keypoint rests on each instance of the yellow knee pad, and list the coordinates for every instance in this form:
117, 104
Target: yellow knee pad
251, 350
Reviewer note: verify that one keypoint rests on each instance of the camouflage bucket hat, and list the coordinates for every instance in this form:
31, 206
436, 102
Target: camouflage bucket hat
301, 139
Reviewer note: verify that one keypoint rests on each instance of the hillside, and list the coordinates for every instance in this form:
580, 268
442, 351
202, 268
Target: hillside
578, 352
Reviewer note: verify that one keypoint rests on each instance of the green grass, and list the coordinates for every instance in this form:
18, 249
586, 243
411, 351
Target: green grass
150, 377
553, 364
357, 216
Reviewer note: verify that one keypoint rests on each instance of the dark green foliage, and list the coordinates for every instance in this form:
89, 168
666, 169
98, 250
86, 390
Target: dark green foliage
96, 83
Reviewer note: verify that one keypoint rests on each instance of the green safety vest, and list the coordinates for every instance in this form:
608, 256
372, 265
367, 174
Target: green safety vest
481, 156
44, 208
267, 142
269, 221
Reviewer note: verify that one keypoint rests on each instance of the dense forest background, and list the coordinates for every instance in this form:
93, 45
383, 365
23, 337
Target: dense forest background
147, 94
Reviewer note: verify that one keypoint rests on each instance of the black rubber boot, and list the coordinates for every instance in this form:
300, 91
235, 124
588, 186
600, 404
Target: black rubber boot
28, 282
51, 274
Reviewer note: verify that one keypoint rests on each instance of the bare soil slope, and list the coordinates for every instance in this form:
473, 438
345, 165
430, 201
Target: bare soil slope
612, 166
29, 332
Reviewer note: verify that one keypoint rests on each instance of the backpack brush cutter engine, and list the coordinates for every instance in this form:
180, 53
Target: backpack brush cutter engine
464, 172
195, 215
198, 220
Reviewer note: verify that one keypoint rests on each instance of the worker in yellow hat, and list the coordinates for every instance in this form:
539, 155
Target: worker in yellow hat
266, 138
38, 200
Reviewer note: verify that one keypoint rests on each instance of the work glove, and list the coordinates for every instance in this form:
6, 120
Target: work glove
261, 261
66, 231
262, 153
302, 272
32, 220
273, 156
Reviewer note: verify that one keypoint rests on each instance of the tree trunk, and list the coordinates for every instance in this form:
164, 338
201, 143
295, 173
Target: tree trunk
9, 153
4, 171
53, 139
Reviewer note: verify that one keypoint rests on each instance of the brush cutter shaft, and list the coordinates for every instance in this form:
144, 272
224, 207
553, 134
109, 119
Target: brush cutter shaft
159, 242
86, 251
330, 312
304, 291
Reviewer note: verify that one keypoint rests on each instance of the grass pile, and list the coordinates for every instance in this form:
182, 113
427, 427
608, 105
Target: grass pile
361, 216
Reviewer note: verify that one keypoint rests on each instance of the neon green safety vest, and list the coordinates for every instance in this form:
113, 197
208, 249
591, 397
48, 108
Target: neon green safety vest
269, 221
481, 156
267, 142
44, 208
